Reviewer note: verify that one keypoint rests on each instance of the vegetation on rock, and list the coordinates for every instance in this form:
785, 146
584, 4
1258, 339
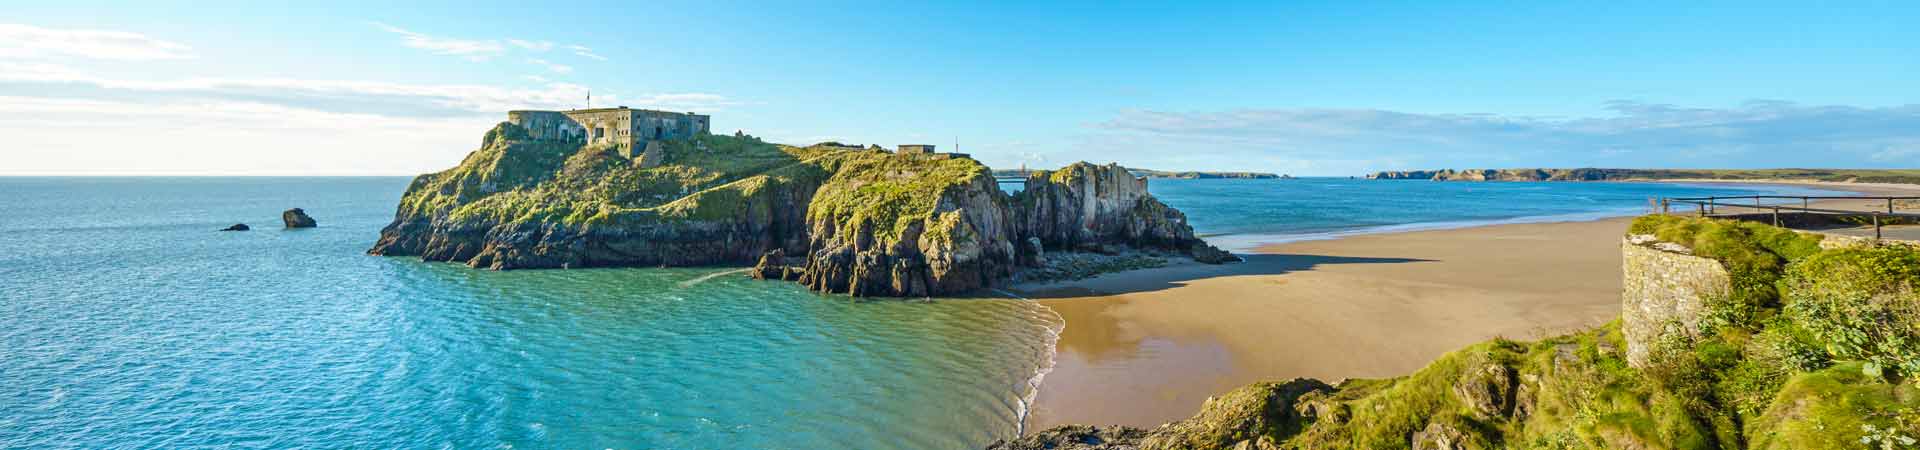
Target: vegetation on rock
864, 220
1822, 357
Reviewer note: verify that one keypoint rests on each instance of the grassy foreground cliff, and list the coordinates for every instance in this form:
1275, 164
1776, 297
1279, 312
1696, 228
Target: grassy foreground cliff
1802, 347
859, 220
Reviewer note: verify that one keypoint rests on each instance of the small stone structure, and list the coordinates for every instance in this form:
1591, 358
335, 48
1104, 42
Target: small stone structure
1665, 290
628, 130
915, 149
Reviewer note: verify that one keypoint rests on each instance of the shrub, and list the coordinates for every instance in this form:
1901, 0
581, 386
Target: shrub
1861, 303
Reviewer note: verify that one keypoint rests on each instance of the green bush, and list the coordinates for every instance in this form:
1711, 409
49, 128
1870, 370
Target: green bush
1862, 304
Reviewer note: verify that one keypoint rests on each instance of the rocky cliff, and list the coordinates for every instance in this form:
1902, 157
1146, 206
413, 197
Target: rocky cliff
837, 219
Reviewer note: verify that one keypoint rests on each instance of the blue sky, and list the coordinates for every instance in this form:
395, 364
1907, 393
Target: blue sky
1303, 88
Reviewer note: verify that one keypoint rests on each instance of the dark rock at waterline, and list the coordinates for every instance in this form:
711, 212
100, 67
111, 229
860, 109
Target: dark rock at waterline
297, 218
1075, 437
237, 227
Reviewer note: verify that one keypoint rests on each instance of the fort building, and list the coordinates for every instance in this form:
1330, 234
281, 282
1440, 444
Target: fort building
630, 131
915, 149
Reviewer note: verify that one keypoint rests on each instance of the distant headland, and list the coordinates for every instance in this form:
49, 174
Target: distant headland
1905, 176
1150, 173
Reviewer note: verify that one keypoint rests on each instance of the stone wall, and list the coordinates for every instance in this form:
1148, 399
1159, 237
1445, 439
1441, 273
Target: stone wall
547, 125
624, 128
1665, 291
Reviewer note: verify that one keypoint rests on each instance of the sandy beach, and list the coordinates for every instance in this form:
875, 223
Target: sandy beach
1150, 346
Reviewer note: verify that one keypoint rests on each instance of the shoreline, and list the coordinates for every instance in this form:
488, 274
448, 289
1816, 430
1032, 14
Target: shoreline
1148, 347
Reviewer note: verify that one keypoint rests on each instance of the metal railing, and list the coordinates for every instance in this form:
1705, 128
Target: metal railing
1710, 206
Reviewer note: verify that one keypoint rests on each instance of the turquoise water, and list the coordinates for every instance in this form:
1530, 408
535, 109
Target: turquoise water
127, 322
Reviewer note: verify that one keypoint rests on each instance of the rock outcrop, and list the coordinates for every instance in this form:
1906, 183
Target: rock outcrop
836, 219
1086, 207
297, 218
238, 227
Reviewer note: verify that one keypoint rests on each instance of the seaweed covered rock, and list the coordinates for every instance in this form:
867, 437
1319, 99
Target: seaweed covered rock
1075, 437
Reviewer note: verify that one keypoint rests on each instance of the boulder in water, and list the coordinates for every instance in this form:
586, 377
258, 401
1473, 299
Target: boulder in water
238, 227
297, 218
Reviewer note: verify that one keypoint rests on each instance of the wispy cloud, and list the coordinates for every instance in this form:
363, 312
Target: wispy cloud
555, 68
474, 50
585, 52
30, 42
1755, 134
538, 46
345, 95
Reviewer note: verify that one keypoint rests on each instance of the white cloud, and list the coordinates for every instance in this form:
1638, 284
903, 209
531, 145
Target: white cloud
30, 42
196, 137
473, 50
1755, 134
555, 68
538, 46
583, 51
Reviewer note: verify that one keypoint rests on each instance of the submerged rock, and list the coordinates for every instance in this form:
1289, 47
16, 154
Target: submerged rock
237, 227
297, 218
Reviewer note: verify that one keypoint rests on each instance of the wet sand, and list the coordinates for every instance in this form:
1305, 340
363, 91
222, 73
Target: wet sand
1148, 347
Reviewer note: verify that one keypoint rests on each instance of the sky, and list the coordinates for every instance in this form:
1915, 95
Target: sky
1303, 88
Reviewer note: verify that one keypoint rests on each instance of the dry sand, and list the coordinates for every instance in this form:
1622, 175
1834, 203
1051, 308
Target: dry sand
1149, 346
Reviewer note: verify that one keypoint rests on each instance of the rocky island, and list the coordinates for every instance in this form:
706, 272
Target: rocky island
840, 219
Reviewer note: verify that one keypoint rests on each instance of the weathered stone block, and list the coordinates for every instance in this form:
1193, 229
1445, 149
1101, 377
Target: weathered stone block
1664, 292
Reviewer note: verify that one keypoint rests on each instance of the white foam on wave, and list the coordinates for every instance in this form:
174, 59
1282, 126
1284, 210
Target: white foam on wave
704, 278
1053, 325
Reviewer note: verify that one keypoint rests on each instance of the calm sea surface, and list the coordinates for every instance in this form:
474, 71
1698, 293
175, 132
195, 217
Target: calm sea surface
126, 321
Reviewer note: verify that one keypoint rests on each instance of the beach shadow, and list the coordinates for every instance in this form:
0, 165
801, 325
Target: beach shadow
1149, 280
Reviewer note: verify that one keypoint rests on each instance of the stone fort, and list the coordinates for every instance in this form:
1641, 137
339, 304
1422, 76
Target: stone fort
630, 131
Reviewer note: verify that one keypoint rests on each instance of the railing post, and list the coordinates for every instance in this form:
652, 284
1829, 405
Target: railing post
1776, 216
1803, 203
1876, 227
1664, 207
1889, 205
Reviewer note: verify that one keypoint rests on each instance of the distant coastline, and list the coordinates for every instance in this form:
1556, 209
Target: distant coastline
1150, 173
1892, 176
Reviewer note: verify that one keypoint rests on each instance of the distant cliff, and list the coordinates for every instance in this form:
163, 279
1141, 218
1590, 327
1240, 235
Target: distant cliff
1150, 173
1592, 174
859, 221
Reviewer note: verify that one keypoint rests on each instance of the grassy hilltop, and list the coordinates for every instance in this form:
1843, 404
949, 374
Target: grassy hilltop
1812, 349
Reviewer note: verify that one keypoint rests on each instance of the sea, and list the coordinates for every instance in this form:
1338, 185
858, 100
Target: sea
127, 321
